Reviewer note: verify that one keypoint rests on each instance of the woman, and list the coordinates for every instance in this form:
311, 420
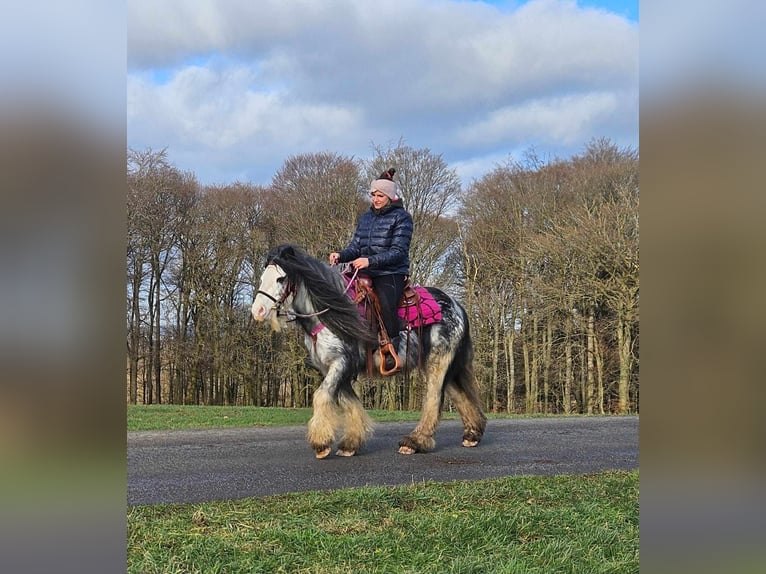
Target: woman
381, 247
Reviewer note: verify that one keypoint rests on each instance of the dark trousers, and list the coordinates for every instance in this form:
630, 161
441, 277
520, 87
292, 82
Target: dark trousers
389, 289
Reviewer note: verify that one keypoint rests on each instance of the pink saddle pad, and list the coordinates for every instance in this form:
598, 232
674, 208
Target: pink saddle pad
426, 312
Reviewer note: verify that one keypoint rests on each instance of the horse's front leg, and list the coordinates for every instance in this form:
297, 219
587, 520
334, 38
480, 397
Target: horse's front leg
325, 419
358, 425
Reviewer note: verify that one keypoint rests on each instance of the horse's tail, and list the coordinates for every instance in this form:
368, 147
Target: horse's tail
460, 371
460, 383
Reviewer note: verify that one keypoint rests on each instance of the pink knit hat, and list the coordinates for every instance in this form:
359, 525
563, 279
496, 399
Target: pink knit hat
386, 185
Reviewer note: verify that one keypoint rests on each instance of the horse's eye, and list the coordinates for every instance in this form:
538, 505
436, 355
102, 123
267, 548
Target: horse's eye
281, 279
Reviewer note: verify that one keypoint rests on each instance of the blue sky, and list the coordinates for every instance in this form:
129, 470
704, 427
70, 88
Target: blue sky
234, 88
625, 8
628, 9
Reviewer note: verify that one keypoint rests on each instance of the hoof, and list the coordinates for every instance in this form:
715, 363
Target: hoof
406, 450
341, 452
470, 443
323, 453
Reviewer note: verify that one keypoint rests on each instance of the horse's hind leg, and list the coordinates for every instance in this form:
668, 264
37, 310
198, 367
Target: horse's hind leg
358, 425
462, 391
421, 439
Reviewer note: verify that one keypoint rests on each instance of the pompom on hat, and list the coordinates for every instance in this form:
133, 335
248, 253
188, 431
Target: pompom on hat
386, 185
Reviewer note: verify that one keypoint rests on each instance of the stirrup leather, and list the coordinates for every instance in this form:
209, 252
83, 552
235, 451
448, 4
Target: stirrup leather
364, 289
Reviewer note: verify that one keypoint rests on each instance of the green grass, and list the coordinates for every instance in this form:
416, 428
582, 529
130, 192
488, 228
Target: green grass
169, 417
560, 524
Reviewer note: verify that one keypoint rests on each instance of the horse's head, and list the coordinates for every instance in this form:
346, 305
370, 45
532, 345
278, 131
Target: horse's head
272, 293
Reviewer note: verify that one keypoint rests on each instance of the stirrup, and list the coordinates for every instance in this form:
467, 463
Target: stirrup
388, 348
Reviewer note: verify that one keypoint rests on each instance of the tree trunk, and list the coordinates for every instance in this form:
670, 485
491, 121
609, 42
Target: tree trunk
135, 337
534, 380
547, 359
590, 365
183, 326
527, 375
157, 319
511, 380
149, 384
568, 374
583, 375
599, 375
623, 345
496, 367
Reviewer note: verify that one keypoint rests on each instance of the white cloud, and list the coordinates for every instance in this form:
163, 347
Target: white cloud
218, 113
275, 78
562, 120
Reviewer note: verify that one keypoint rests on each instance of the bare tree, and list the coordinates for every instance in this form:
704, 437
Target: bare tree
314, 201
560, 240
216, 249
609, 182
136, 274
493, 225
160, 192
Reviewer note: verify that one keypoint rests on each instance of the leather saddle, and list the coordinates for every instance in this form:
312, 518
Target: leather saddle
366, 293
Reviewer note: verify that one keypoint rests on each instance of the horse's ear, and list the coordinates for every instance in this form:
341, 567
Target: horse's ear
288, 252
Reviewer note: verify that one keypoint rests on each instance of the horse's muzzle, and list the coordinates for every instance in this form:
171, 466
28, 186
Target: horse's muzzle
259, 312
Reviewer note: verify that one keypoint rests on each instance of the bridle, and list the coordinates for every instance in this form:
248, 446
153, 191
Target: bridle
288, 290
279, 302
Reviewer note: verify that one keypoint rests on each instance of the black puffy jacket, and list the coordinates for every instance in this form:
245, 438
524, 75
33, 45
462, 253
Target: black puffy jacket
384, 238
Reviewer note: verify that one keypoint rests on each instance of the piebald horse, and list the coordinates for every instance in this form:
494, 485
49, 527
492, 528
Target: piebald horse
296, 285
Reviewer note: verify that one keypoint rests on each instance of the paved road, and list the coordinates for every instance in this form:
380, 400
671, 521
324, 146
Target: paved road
204, 465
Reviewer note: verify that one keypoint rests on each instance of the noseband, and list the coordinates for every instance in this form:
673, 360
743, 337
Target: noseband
279, 302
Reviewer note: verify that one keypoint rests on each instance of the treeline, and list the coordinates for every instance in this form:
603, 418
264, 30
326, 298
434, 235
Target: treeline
544, 254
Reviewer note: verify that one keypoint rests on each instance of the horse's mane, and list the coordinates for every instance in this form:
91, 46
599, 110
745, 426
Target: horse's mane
325, 289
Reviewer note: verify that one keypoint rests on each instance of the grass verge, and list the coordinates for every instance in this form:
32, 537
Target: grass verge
173, 417
558, 524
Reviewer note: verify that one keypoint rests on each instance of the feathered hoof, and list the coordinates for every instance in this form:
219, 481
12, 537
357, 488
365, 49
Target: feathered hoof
472, 436
341, 452
323, 453
418, 443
